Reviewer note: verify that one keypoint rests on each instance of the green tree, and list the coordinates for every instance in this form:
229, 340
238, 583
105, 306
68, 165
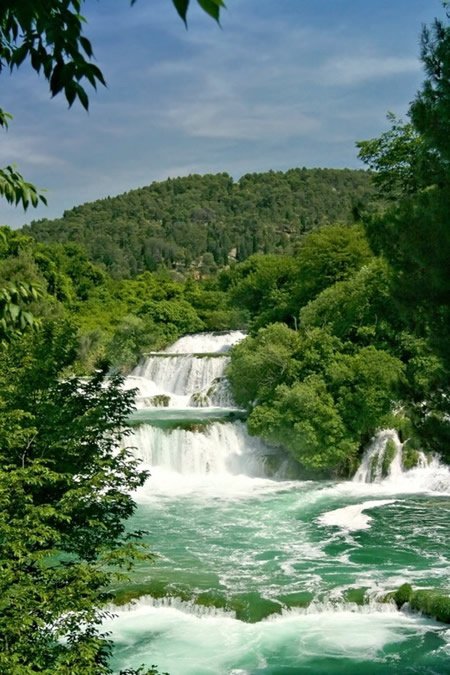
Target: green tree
360, 309
65, 484
328, 255
304, 419
262, 362
414, 232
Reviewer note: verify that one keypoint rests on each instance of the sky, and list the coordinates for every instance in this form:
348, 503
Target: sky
281, 84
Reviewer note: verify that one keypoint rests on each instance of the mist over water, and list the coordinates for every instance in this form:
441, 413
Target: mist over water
258, 573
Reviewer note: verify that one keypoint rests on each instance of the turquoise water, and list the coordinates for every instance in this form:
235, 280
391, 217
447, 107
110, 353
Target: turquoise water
262, 576
261, 546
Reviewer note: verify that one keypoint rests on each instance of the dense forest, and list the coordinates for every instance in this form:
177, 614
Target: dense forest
208, 221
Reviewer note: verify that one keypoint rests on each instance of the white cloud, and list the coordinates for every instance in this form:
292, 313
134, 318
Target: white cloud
359, 68
241, 120
27, 150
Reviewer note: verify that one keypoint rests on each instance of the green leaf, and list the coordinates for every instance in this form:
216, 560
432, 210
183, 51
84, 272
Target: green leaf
14, 311
4, 118
182, 7
82, 96
212, 7
85, 43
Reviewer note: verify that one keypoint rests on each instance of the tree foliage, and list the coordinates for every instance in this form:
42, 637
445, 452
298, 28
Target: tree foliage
65, 492
414, 233
175, 223
323, 390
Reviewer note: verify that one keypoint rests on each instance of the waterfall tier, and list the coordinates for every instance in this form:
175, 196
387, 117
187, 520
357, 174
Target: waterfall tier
206, 343
217, 449
181, 374
186, 423
393, 464
190, 373
382, 458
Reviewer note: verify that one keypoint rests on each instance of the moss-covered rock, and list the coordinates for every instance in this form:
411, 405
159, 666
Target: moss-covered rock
156, 589
431, 602
356, 595
159, 400
410, 457
388, 456
212, 598
401, 595
299, 599
252, 607
199, 400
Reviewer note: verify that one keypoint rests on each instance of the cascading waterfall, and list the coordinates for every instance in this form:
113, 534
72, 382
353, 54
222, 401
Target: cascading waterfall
189, 373
182, 374
193, 444
396, 468
217, 448
261, 575
206, 343
383, 459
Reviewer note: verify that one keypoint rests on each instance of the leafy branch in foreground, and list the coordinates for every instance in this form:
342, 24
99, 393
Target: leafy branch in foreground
65, 494
49, 36
14, 318
211, 7
16, 190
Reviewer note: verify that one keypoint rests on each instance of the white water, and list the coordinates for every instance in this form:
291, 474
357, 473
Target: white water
218, 455
353, 517
206, 343
371, 468
187, 379
309, 641
218, 449
219, 523
427, 476
181, 374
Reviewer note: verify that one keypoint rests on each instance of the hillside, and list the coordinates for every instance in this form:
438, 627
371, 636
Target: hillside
209, 219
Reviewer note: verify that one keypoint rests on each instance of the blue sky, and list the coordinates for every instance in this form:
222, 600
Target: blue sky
284, 83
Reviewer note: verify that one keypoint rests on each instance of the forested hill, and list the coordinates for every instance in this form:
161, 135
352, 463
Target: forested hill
208, 220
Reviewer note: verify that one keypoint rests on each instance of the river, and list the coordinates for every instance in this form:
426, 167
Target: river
258, 571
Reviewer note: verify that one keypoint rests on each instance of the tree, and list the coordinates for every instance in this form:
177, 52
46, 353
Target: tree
327, 255
65, 484
413, 233
49, 36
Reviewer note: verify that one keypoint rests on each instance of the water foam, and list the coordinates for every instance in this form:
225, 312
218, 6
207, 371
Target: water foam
206, 343
189, 644
428, 476
352, 517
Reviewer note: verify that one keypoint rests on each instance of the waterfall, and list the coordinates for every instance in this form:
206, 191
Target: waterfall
382, 458
390, 462
181, 373
206, 343
183, 422
216, 449
189, 373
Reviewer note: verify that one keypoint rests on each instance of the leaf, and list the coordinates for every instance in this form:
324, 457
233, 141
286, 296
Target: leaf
83, 97
182, 7
14, 311
70, 93
212, 7
57, 78
19, 55
4, 118
85, 43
